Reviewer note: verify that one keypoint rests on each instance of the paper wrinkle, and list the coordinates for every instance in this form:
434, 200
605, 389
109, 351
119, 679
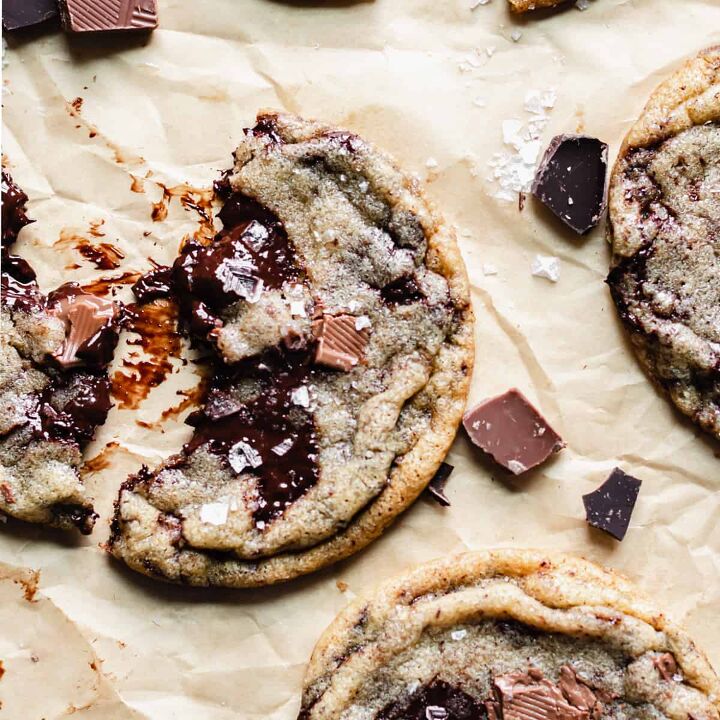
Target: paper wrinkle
387, 69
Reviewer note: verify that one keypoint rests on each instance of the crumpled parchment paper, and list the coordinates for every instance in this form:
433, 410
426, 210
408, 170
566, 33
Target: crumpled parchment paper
435, 83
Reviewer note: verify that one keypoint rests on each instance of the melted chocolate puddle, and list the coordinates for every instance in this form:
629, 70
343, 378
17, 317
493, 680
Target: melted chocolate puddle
437, 700
271, 423
156, 327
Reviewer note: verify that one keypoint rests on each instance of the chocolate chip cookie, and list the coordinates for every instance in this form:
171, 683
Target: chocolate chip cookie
507, 635
54, 388
664, 228
335, 304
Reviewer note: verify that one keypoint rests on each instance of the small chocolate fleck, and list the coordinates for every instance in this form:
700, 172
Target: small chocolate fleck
610, 507
512, 431
570, 180
436, 488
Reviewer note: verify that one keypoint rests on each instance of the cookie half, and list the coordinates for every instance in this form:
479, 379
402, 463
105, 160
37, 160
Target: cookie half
507, 635
54, 387
664, 227
336, 305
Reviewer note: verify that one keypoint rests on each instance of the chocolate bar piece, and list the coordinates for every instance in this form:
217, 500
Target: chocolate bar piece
81, 16
570, 180
512, 431
341, 341
19, 14
436, 488
610, 506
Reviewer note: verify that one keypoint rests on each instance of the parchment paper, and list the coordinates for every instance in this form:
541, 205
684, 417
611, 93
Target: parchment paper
431, 81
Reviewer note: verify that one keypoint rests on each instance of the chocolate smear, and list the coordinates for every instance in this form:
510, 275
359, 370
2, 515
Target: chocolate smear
570, 180
154, 284
81, 16
610, 507
20, 14
436, 488
512, 431
340, 345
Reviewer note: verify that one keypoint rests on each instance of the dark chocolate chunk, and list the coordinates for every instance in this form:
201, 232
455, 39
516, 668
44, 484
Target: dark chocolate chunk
402, 291
610, 506
436, 488
19, 14
510, 429
154, 284
102, 15
570, 180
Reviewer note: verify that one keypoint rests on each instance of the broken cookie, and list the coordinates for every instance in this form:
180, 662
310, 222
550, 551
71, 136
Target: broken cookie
335, 306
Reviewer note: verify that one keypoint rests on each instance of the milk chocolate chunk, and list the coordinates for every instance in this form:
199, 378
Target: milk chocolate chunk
436, 488
102, 15
340, 344
610, 506
19, 14
570, 180
512, 431
91, 334
666, 665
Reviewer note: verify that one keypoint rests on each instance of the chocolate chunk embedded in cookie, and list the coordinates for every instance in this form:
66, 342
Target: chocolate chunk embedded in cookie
664, 228
507, 635
336, 305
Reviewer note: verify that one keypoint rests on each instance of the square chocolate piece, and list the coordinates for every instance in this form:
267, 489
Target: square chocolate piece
610, 507
570, 180
82, 16
512, 431
19, 14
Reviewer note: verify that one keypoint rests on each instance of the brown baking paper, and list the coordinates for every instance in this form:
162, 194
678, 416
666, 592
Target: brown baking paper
435, 83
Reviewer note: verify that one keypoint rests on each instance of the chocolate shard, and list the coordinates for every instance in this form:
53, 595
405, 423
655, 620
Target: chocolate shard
19, 14
512, 431
81, 16
340, 345
570, 180
610, 507
436, 488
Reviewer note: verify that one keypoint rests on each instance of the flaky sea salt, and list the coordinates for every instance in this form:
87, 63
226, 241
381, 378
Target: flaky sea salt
297, 308
516, 467
362, 322
546, 266
582, 4
458, 634
242, 455
300, 396
282, 448
214, 513
514, 169
431, 162
515, 35
474, 4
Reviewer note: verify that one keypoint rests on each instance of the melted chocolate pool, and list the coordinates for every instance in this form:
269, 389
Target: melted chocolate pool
278, 431
439, 701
